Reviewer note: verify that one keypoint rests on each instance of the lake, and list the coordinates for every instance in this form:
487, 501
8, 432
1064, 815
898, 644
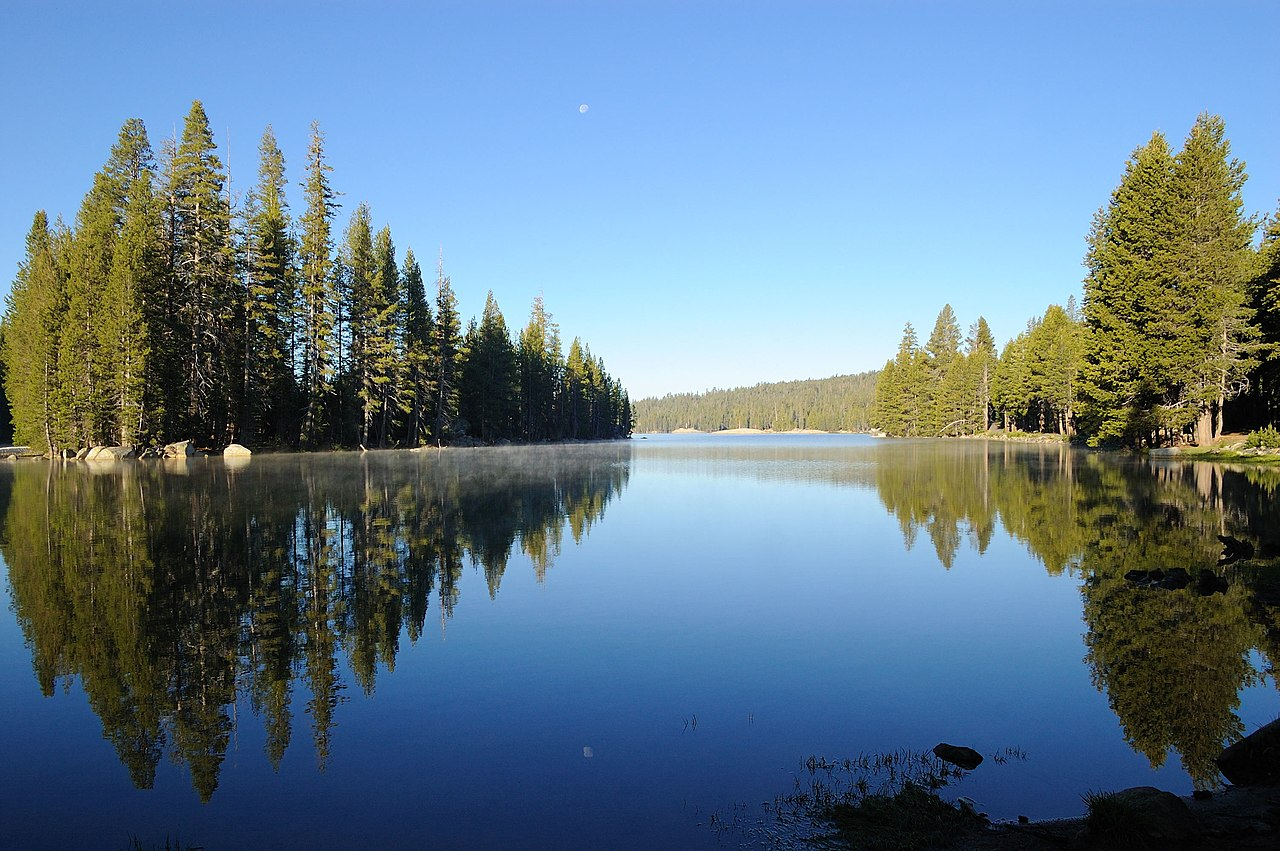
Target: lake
621, 645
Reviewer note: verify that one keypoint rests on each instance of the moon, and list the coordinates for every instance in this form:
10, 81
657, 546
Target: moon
583, 108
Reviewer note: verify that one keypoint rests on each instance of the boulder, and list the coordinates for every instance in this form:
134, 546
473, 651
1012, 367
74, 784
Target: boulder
1158, 815
181, 449
109, 453
235, 450
80, 456
1255, 759
966, 758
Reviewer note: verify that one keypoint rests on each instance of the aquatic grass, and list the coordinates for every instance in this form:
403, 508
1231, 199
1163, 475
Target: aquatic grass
871, 802
136, 844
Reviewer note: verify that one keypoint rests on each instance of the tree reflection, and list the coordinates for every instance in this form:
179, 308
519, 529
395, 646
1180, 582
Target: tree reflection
172, 592
1172, 661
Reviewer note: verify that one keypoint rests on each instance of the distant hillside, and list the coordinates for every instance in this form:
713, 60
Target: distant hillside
840, 403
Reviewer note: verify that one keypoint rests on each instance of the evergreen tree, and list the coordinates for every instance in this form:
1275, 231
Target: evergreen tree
318, 291
87, 364
386, 347
417, 387
271, 305
446, 357
128, 327
942, 406
1134, 344
1212, 246
982, 362
356, 381
539, 360
1265, 299
35, 310
209, 311
488, 395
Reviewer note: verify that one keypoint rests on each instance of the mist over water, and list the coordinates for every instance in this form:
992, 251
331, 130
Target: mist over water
602, 645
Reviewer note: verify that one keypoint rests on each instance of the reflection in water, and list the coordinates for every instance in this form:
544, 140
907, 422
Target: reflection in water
1172, 661
171, 591
175, 591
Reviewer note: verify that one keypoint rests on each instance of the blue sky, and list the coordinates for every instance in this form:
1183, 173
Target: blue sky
758, 191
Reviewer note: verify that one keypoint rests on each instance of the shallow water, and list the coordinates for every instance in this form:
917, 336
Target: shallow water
609, 646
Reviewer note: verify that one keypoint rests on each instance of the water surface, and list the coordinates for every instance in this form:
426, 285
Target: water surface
604, 646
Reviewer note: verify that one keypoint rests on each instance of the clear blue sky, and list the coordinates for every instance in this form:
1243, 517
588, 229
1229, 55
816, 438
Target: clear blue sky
758, 191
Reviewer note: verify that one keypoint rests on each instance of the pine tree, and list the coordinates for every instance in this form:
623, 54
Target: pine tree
271, 306
1212, 247
318, 295
209, 312
900, 408
129, 326
488, 395
982, 360
386, 346
357, 380
1134, 343
538, 356
1265, 299
417, 389
941, 407
88, 365
35, 311
446, 356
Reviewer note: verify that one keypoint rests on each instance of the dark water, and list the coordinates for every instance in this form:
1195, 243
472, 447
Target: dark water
609, 646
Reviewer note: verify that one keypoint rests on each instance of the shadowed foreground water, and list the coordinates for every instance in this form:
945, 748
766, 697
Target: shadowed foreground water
606, 646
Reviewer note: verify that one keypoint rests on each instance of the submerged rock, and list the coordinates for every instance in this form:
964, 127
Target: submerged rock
966, 758
1255, 759
1210, 583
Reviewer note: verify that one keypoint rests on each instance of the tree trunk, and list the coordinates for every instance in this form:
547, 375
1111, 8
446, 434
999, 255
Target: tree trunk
1204, 427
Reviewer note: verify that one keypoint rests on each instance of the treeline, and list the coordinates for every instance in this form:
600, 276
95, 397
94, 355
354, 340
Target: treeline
840, 403
952, 386
171, 310
1179, 327
171, 619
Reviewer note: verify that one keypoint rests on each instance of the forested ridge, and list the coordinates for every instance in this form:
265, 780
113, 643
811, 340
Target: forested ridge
170, 309
1177, 339
840, 403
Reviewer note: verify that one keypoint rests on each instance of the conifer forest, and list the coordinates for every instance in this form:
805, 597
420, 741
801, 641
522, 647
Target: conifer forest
1177, 338
170, 309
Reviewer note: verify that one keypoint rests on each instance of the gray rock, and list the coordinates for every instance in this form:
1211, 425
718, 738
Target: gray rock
109, 453
1255, 759
235, 450
181, 449
966, 758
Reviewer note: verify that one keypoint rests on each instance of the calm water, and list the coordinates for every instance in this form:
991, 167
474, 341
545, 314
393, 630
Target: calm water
605, 646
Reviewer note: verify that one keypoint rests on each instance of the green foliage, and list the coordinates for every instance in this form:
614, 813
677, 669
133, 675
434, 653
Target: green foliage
941, 390
839, 403
1170, 334
162, 315
1263, 438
